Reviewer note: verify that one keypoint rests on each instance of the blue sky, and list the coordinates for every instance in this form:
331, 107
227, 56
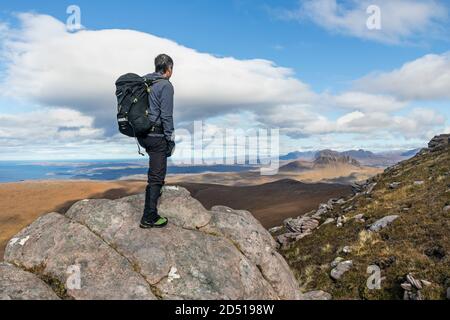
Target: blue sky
244, 29
323, 49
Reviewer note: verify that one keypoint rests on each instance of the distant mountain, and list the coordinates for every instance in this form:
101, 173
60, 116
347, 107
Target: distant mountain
410, 153
297, 155
296, 166
330, 157
311, 155
359, 154
364, 157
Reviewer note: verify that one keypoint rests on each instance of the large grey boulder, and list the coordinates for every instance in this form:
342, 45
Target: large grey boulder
188, 212
257, 245
439, 142
218, 254
15, 284
62, 251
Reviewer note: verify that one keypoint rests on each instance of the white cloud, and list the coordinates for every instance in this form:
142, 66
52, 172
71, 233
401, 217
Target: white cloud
401, 20
58, 133
296, 121
366, 102
50, 66
427, 78
417, 124
367, 114
47, 126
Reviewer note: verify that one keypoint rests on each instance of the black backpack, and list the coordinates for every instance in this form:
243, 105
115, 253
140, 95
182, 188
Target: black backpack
132, 106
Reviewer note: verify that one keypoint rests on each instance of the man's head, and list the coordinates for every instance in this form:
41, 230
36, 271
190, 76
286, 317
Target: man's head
164, 65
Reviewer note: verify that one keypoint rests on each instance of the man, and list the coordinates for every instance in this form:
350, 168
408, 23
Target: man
159, 143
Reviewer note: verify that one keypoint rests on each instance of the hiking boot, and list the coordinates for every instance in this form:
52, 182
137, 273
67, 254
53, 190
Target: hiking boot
159, 222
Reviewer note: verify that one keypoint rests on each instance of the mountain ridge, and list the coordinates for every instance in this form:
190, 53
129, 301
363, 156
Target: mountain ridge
365, 157
330, 157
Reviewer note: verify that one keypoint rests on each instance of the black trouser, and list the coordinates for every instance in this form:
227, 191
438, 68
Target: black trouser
156, 148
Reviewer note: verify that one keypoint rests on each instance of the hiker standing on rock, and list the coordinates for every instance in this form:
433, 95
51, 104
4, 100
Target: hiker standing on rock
159, 143
145, 113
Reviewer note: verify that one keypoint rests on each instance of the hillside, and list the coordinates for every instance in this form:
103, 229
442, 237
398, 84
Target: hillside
270, 203
398, 221
302, 171
296, 166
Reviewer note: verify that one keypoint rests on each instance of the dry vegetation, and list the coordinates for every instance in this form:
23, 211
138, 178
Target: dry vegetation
418, 242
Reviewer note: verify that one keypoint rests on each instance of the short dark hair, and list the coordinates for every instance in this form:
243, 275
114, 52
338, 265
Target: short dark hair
163, 63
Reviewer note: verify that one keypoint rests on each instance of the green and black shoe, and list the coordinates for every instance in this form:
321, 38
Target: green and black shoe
160, 222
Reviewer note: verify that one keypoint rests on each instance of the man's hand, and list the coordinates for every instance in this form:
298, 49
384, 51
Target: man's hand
170, 148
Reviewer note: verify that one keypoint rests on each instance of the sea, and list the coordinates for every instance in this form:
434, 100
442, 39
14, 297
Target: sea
15, 171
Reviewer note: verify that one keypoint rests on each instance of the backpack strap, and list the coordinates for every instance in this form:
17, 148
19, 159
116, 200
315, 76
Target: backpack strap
149, 83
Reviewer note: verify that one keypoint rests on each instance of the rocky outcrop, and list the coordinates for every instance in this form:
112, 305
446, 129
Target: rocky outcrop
301, 224
298, 228
413, 288
257, 245
54, 245
295, 229
439, 142
98, 251
329, 157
